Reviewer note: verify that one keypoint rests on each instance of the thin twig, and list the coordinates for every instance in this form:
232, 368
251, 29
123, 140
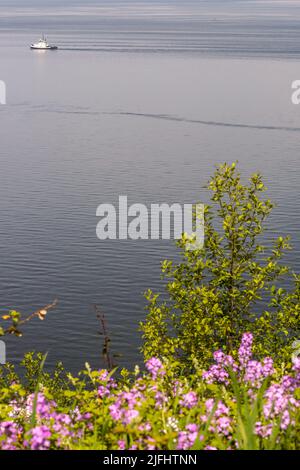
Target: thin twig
37, 313
41, 313
106, 353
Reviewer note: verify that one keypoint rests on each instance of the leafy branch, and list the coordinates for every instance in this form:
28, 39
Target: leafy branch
16, 321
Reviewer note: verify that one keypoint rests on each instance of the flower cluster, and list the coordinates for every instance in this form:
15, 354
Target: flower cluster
39, 438
219, 415
161, 409
189, 400
155, 367
187, 438
247, 369
280, 400
107, 383
125, 406
51, 427
219, 371
9, 434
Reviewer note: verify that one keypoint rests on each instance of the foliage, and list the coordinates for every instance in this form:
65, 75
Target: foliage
227, 287
206, 385
235, 404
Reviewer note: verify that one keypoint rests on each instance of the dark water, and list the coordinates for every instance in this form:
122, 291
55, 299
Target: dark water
142, 99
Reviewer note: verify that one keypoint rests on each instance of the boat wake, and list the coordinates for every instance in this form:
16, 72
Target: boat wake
202, 122
165, 117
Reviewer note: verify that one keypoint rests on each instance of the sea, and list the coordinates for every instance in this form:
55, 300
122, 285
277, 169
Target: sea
142, 99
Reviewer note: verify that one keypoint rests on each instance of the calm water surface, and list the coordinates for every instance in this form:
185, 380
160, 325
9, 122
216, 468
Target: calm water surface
141, 99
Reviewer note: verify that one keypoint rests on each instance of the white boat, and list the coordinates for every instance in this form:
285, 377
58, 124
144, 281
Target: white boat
43, 45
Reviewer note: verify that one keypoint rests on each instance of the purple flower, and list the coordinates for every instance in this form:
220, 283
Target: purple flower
115, 411
187, 438
263, 430
151, 444
130, 415
103, 374
40, 438
145, 427
285, 420
124, 407
160, 399
248, 370
108, 384
245, 350
121, 445
253, 372
267, 367
224, 425
189, 400
155, 367
220, 422
24, 408
216, 373
9, 432
219, 357
219, 371
103, 391
279, 403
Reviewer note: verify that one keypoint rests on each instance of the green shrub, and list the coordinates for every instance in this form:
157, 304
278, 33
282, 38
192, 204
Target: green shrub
229, 286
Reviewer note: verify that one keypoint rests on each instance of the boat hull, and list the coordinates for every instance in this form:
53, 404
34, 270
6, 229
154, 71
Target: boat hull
49, 48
